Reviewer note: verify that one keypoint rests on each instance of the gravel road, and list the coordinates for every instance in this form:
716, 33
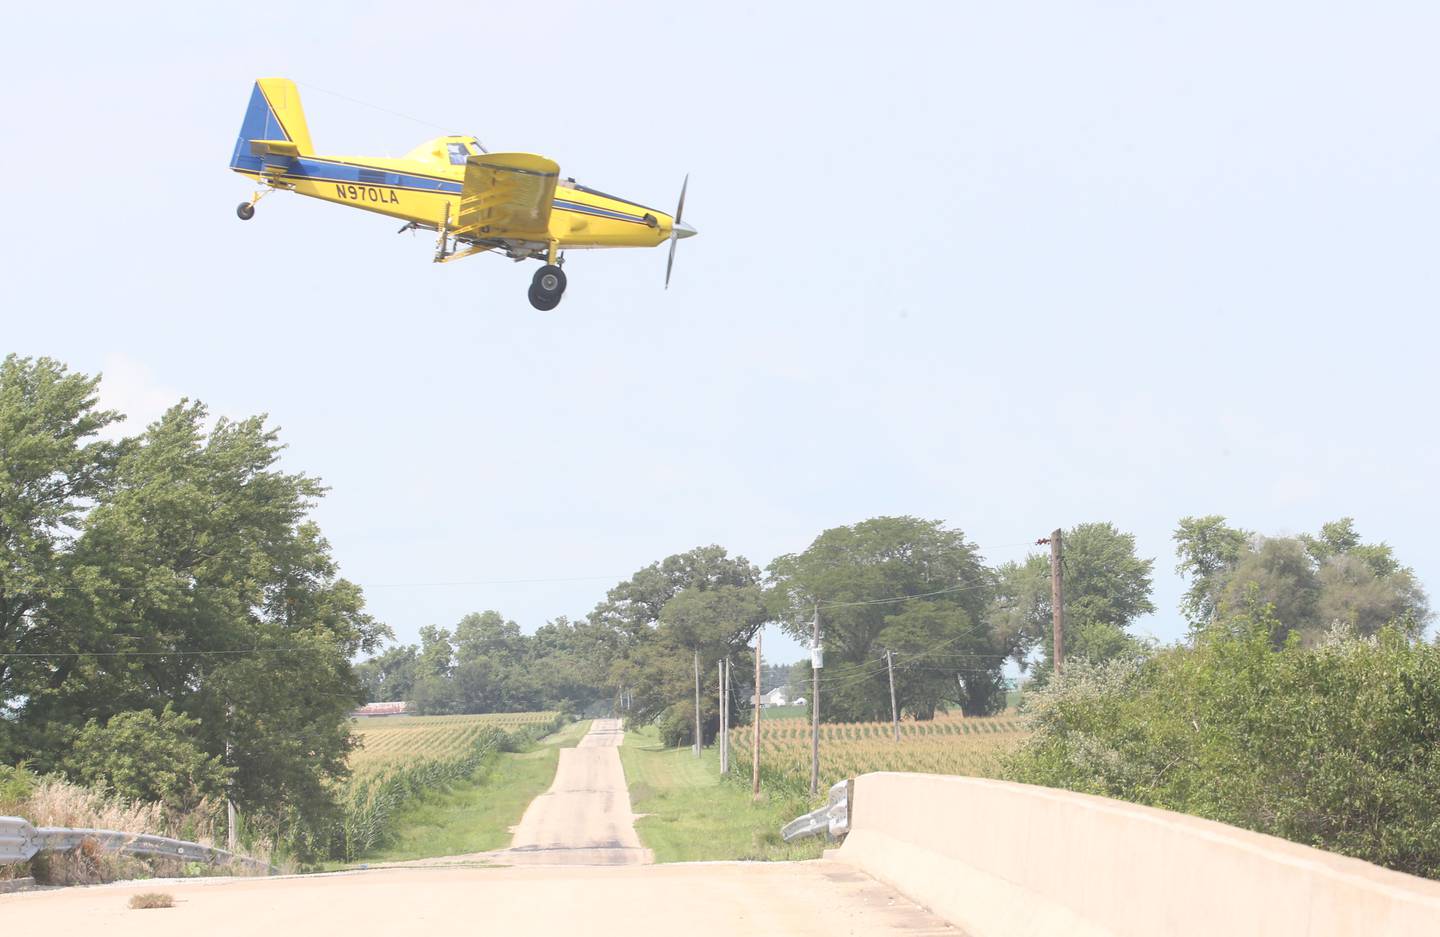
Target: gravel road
719, 899
585, 817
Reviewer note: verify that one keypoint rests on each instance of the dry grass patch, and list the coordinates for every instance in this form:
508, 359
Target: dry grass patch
152, 899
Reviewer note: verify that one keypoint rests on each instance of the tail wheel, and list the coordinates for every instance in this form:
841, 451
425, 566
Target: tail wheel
549, 279
542, 300
246, 211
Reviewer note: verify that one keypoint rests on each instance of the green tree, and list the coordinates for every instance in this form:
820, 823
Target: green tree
710, 624
656, 673
925, 678
437, 654
142, 756
632, 608
1106, 588
487, 634
714, 621
913, 575
178, 569
1208, 549
1277, 573
1310, 583
390, 675
571, 660
215, 592
52, 467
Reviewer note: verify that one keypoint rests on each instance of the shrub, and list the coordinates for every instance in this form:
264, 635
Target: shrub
142, 756
16, 786
1335, 746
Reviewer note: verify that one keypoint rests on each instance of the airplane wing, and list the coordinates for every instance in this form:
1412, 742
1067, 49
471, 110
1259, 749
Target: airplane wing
508, 195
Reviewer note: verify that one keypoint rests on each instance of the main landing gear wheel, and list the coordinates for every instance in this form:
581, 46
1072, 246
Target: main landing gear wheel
549, 279
547, 287
246, 210
543, 301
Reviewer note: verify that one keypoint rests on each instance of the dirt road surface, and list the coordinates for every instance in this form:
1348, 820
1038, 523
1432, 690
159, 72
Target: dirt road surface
585, 817
694, 899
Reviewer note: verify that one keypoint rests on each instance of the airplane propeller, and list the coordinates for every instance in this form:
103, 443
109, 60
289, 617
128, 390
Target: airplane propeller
678, 230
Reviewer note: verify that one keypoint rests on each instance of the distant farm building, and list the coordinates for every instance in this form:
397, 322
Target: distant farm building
776, 697
381, 709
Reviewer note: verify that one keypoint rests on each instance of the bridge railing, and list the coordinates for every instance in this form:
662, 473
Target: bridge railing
831, 821
20, 841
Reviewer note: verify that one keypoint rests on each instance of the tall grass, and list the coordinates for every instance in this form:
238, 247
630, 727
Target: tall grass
53, 801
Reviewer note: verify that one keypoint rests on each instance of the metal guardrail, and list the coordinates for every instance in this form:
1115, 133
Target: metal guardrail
832, 820
20, 841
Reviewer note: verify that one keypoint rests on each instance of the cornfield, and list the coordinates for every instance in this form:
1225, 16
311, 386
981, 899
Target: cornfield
944, 745
401, 758
387, 740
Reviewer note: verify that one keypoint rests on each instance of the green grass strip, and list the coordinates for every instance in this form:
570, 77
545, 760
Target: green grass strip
477, 813
693, 815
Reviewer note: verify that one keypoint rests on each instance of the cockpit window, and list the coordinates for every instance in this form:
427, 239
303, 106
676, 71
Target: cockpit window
475, 148
458, 153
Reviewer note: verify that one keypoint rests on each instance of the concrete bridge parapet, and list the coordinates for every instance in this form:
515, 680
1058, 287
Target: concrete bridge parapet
1011, 860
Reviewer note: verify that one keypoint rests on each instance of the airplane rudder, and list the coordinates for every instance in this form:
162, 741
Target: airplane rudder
282, 99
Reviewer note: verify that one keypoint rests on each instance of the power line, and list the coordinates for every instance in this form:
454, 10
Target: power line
104, 589
176, 653
873, 669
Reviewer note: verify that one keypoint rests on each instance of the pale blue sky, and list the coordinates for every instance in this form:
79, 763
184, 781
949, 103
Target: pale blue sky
1014, 265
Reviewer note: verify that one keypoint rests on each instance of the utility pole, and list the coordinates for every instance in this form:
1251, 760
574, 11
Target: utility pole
728, 678
1057, 601
755, 737
697, 702
231, 818
724, 762
894, 713
817, 661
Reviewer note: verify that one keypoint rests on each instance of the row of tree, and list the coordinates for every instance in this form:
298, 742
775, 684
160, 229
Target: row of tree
486, 664
914, 588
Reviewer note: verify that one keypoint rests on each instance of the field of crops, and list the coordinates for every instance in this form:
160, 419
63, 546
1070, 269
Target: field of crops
944, 745
400, 758
387, 740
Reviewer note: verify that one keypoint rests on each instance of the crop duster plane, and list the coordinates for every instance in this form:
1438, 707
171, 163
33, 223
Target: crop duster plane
512, 203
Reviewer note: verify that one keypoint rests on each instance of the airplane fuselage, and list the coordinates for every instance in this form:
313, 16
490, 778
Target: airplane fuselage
421, 191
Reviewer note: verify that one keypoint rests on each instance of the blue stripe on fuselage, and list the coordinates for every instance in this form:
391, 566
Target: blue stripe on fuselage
322, 170
325, 171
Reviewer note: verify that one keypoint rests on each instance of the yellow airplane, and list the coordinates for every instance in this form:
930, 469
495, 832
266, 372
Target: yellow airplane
476, 201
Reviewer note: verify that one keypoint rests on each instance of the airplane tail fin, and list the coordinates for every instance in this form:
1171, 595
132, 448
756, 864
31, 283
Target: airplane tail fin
275, 121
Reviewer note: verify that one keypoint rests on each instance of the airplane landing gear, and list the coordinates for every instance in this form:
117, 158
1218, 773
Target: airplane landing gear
246, 210
547, 287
